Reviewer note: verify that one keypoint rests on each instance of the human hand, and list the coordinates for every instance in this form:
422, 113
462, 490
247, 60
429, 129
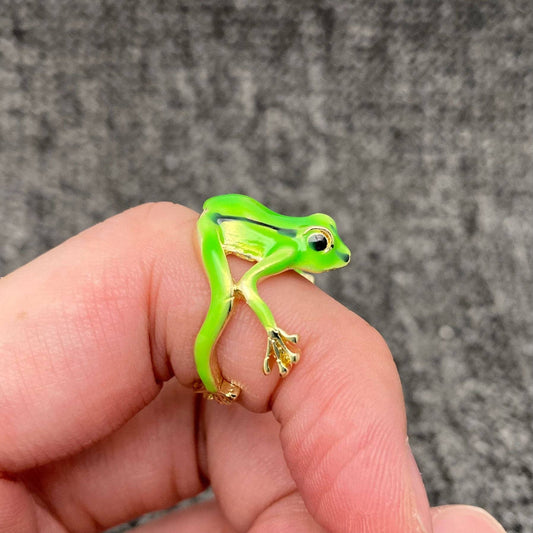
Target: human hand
90, 437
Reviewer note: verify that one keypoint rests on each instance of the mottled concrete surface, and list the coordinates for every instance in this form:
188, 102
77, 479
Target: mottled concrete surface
410, 121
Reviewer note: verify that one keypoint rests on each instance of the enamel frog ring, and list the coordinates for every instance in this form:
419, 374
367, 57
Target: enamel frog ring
239, 225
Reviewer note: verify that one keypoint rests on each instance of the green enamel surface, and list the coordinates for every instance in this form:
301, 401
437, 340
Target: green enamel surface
238, 224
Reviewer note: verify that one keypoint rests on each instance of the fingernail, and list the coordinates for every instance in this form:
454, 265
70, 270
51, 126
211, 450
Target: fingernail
464, 519
422, 512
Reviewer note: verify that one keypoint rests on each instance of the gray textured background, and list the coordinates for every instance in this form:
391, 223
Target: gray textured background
410, 121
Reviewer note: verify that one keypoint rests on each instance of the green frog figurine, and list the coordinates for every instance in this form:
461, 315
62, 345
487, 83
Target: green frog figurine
239, 225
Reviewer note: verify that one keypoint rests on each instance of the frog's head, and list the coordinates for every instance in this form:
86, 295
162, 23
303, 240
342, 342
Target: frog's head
320, 246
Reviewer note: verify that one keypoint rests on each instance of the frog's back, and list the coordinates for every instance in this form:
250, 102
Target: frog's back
239, 205
234, 204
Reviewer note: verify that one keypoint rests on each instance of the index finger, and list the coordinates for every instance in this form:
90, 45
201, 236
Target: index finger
85, 344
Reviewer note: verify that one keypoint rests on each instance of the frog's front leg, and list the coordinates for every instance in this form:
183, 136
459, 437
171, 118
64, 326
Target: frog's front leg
278, 341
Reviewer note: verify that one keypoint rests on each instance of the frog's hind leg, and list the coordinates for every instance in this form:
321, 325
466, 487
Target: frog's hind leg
222, 295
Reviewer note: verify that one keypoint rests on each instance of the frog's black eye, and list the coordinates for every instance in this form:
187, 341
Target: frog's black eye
317, 242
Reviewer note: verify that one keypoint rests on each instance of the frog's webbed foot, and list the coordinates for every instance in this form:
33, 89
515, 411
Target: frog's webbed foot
226, 394
278, 350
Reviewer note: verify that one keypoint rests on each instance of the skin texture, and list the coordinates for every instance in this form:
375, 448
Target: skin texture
237, 224
99, 423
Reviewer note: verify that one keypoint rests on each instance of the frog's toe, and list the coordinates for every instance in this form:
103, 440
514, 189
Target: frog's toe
266, 365
286, 360
283, 369
295, 357
289, 337
227, 393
